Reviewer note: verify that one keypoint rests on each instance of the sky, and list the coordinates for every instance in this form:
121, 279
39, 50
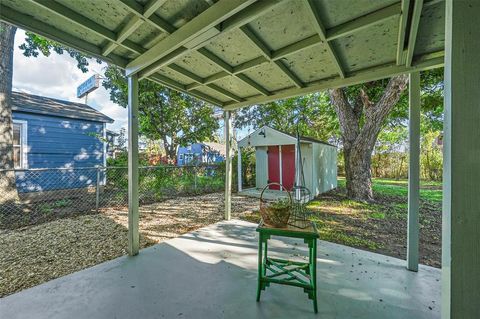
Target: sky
57, 76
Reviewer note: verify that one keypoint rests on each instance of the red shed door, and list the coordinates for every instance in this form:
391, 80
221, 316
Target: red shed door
273, 166
288, 166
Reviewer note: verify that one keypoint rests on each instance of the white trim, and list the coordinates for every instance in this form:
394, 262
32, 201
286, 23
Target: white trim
280, 164
23, 142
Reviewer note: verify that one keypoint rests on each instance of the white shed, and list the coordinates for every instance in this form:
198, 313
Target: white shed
275, 158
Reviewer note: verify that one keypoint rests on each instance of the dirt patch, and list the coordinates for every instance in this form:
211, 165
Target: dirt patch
36, 254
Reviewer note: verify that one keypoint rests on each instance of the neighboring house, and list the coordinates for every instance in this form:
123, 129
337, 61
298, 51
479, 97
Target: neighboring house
201, 153
275, 160
51, 133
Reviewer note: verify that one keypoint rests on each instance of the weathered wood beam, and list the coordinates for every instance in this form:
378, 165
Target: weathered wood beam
363, 22
202, 23
126, 31
227, 93
412, 37
402, 29
318, 25
28, 23
90, 25
360, 76
253, 84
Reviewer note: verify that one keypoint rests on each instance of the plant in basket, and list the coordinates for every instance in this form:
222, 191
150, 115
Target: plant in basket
276, 213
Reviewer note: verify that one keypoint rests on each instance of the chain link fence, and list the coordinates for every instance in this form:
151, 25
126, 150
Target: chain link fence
53, 193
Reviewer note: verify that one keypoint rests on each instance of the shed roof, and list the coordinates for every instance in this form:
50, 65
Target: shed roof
234, 53
271, 136
29, 103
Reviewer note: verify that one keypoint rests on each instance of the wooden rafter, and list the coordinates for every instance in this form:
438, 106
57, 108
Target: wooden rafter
196, 27
402, 27
412, 37
318, 25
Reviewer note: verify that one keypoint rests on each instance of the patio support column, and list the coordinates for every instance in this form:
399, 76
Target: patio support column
239, 169
461, 162
413, 172
228, 165
133, 218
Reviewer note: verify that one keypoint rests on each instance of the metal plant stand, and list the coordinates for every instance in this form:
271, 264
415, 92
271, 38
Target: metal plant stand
288, 272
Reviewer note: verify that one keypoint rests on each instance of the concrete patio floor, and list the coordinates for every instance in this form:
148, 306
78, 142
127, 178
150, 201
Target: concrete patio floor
211, 273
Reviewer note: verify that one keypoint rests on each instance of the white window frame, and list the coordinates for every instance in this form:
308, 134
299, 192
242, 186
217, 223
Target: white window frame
23, 142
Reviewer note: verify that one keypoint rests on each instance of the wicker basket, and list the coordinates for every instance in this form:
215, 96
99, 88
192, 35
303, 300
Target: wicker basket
272, 216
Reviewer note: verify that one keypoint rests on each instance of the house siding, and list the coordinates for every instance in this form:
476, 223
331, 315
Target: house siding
59, 142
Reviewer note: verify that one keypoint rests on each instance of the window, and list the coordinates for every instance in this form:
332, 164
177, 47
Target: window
19, 144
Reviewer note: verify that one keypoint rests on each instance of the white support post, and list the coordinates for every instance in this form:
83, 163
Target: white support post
239, 169
228, 165
461, 162
133, 216
413, 172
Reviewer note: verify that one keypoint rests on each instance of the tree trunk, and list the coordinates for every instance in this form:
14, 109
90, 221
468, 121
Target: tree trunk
8, 189
359, 140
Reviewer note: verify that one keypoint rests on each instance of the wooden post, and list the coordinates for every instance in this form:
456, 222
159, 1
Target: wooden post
280, 164
239, 169
461, 164
133, 216
413, 172
228, 165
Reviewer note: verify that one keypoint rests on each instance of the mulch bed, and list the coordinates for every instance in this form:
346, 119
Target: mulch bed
36, 254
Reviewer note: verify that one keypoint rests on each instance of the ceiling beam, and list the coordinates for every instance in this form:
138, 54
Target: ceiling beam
357, 77
134, 23
402, 29
412, 37
199, 25
28, 23
90, 25
363, 22
318, 25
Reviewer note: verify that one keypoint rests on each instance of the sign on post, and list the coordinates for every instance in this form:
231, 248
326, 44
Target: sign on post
91, 84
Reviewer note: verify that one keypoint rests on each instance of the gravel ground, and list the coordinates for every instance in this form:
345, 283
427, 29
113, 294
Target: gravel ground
36, 254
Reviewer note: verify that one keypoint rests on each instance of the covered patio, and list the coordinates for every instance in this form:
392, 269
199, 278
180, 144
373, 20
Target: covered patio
211, 273
236, 53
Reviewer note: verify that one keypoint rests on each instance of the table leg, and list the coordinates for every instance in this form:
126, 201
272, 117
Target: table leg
260, 265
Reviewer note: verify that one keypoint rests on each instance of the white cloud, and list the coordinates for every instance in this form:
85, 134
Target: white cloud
57, 76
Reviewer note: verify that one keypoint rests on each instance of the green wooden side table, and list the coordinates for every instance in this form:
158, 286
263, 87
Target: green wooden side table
288, 272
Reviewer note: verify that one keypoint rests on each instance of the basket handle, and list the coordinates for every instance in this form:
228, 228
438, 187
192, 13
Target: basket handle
281, 186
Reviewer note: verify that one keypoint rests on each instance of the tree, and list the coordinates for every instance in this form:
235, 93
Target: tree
7, 178
311, 113
362, 111
164, 114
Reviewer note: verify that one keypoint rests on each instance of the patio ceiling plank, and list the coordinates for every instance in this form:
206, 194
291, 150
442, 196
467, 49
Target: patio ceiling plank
402, 27
267, 53
412, 38
154, 20
84, 22
204, 22
28, 23
318, 25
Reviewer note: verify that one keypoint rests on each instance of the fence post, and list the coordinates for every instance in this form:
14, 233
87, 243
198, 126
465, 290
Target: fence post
195, 179
97, 190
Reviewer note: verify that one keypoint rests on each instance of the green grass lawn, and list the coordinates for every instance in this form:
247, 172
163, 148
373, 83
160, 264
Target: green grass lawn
381, 226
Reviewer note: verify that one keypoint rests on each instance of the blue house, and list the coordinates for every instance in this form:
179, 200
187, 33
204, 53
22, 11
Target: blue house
201, 154
57, 143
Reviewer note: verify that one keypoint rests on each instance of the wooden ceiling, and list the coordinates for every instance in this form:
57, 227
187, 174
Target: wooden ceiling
234, 53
